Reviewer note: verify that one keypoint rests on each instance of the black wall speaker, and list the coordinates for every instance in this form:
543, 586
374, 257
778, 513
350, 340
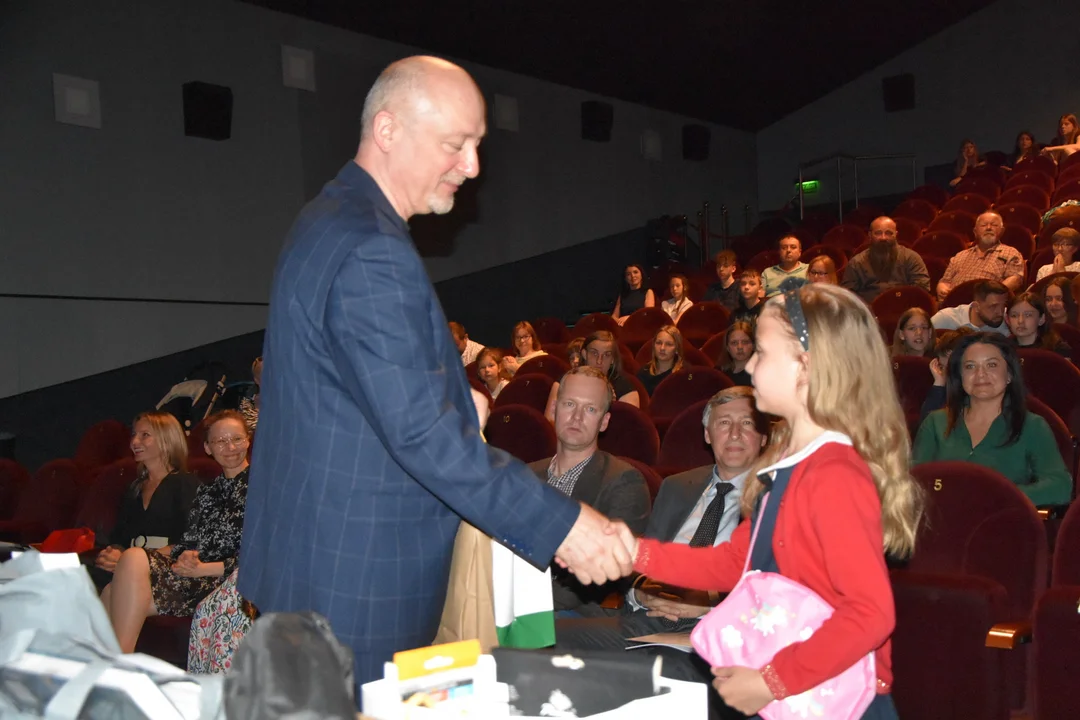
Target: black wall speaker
898, 92
596, 120
207, 111
695, 142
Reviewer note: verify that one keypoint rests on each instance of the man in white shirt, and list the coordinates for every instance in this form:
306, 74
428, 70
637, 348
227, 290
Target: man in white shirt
468, 349
986, 313
790, 251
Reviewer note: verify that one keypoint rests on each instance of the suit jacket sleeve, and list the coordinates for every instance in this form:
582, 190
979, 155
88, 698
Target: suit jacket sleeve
627, 499
380, 339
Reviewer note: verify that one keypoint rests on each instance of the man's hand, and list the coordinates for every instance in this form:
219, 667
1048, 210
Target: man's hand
596, 549
107, 558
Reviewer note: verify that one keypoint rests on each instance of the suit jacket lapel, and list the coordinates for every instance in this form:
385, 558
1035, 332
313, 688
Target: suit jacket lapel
587, 488
691, 493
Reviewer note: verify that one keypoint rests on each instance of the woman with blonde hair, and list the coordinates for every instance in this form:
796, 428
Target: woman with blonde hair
822, 269
914, 334
153, 512
830, 497
667, 357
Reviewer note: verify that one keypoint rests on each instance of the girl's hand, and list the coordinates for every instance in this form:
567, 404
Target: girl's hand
938, 372
742, 688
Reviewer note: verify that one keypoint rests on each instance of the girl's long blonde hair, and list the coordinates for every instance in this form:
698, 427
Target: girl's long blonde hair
852, 391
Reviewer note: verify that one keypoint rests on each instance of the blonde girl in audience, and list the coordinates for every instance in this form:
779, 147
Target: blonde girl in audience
527, 346
489, 368
667, 357
678, 286
737, 351
832, 495
822, 269
914, 334
968, 159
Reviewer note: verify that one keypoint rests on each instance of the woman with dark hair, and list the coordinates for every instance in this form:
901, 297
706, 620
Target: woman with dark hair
1025, 149
1067, 141
1059, 301
667, 357
527, 346
601, 351
573, 352
986, 421
635, 294
1030, 326
969, 158
159, 583
736, 352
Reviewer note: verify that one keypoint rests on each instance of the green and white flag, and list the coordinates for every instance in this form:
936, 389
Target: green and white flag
524, 614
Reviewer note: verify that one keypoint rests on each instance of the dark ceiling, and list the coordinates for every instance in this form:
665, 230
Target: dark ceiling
741, 63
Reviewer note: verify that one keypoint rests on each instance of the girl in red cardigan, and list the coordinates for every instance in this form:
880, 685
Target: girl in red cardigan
840, 494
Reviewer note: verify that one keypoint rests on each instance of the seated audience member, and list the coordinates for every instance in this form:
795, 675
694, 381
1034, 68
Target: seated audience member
469, 349
699, 507
789, 266
667, 357
987, 259
491, 371
585, 473
1067, 141
635, 294
573, 352
153, 511
602, 352
986, 313
679, 302
914, 334
750, 297
726, 289
939, 369
525, 344
147, 583
985, 421
1031, 327
885, 264
738, 347
249, 407
822, 269
969, 158
1065, 241
1026, 148
1060, 301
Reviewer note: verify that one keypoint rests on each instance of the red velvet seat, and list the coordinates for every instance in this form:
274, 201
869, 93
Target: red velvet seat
205, 468
100, 502
551, 330
1021, 214
1030, 195
14, 479
531, 390
1054, 380
960, 294
643, 394
959, 223
1068, 216
913, 383
1069, 174
837, 254
980, 560
713, 347
917, 210
48, 502
1031, 178
521, 431
596, 321
862, 216
969, 203
630, 433
845, 236
195, 439
551, 365
1066, 191
682, 389
701, 321
1019, 237
651, 476
896, 300
1040, 163
1040, 286
939, 243
1056, 629
908, 231
683, 446
936, 266
1066, 442
979, 185
932, 194
641, 326
764, 259
629, 362
103, 443
1071, 335
1068, 162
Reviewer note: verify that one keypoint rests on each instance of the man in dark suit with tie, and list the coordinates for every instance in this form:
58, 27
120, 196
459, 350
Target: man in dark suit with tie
698, 507
591, 476
369, 454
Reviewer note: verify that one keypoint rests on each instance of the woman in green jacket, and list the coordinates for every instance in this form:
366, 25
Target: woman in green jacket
985, 421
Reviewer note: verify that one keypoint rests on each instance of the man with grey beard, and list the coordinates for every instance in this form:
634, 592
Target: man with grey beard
885, 264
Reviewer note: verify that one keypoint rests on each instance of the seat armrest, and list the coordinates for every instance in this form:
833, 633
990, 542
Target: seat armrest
1052, 512
1009, 635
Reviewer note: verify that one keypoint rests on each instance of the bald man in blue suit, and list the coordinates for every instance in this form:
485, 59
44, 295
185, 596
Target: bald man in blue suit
368, 451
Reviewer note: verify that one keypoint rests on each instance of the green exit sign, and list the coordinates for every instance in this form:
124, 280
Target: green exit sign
810, 186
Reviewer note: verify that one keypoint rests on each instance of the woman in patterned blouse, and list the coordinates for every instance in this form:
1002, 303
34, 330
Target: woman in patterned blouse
147, 584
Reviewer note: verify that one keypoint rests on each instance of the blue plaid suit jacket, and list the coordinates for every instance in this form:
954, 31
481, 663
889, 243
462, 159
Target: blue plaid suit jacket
368, 452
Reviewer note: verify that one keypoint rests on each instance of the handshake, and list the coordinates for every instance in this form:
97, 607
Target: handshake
597, 550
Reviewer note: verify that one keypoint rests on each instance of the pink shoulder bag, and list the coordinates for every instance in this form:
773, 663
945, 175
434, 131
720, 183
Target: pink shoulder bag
766, 612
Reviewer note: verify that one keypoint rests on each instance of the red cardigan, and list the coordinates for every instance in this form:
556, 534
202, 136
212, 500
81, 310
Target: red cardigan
828, 537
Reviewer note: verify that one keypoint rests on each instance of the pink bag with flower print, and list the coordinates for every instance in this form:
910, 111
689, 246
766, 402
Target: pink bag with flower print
766, 612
